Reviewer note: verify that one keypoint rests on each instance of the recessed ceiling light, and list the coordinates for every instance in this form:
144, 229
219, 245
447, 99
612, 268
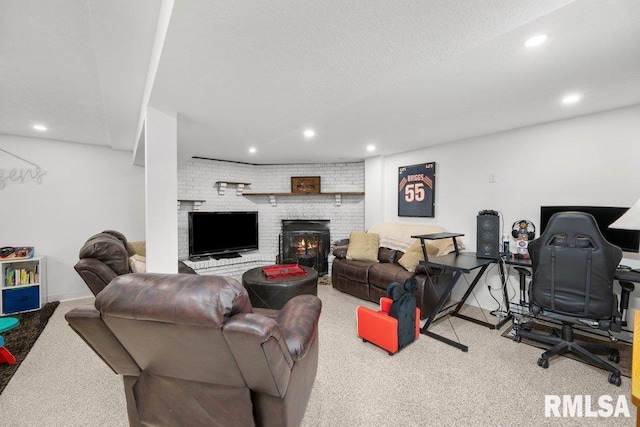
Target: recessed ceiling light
40, 128
252, 150
535, 41
309, 133
571, 98
371, 147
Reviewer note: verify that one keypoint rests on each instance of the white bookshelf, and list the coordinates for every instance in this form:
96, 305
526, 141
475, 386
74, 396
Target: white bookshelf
24, 284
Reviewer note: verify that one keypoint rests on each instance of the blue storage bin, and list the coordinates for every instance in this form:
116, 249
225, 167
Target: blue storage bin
21, 299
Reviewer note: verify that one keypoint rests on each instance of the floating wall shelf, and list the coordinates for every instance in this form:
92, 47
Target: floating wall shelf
338, 195
222, 187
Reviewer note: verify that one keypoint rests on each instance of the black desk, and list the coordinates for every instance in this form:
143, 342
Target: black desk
622, 275
437, 236
459, 263
465, 262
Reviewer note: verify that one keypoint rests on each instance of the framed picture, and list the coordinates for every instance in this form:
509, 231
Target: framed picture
305, 184
416, 190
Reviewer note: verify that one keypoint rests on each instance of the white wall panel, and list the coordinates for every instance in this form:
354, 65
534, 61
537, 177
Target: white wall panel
86, 190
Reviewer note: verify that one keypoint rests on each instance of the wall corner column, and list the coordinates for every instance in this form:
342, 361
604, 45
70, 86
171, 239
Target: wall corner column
161, 190
374, 189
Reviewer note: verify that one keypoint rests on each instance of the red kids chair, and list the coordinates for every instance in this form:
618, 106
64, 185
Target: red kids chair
396, 324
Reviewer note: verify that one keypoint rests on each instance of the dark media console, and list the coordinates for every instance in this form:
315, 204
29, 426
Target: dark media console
227, 255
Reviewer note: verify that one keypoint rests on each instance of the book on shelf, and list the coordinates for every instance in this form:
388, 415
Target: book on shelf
21, 276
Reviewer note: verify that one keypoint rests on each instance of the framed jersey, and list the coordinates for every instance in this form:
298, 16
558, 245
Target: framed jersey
416, 190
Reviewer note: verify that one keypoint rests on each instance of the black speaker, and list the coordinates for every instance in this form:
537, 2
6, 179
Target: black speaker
488, 237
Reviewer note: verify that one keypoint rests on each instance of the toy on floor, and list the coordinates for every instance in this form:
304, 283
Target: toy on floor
6, 324
397, 323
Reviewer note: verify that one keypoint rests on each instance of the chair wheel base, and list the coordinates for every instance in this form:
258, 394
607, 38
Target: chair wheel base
543, 362
615, 379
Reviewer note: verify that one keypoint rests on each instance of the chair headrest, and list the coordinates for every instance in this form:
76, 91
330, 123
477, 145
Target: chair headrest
108, 248
577, 229
186, 299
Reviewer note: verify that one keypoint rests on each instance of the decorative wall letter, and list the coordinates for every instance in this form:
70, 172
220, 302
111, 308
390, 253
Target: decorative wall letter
22, 175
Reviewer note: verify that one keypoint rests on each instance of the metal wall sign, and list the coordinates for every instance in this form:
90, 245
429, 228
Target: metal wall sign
416, 190
34, 173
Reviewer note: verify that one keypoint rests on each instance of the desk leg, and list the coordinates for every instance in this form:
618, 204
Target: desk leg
445, 340
424, 250
456, 311
505, 295
424, 330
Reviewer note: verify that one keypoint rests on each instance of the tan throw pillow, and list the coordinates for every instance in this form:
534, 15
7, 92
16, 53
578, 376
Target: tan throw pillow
363, 246
138, 264
414, 255
139, 248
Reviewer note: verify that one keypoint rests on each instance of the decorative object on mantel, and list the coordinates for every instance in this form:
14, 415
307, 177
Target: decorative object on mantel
22, 175
416, 190
305, 184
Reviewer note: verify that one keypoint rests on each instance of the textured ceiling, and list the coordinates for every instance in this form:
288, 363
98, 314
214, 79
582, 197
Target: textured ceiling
400, 75
79, 67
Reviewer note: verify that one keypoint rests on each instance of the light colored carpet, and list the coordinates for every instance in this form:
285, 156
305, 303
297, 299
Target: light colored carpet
497, 383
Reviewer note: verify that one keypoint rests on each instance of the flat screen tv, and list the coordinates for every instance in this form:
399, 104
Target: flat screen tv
222, 234
627, 240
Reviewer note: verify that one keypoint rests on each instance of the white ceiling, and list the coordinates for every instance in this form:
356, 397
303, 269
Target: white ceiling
241, 73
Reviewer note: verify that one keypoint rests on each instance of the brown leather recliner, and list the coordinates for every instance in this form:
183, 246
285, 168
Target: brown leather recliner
104, 256
192, 351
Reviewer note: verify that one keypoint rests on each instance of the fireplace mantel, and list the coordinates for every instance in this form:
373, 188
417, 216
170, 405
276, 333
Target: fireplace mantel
338, 195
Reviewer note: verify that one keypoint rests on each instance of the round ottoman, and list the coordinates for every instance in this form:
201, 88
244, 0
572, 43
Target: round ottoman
274, 293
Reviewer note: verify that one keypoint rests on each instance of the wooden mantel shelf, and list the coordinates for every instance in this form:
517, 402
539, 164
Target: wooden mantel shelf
338, 195
344, 193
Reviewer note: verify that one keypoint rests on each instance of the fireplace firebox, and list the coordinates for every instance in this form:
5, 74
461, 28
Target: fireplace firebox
306, 242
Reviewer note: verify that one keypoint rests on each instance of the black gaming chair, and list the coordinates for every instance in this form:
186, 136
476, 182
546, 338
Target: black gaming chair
573, 268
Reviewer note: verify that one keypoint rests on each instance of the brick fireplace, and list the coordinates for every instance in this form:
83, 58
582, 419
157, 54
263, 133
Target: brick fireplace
306, 242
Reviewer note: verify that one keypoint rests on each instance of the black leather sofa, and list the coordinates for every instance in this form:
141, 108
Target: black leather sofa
370, 280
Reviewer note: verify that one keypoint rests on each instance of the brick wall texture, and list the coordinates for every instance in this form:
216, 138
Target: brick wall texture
197, 180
